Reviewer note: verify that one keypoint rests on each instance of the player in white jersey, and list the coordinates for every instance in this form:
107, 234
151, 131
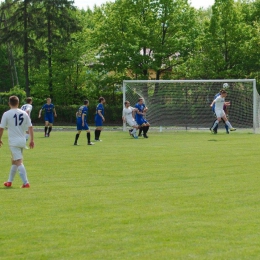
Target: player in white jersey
219, 111
28, 109
28, 106
17, 121
129, 119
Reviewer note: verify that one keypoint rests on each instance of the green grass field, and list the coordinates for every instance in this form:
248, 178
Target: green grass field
179, 195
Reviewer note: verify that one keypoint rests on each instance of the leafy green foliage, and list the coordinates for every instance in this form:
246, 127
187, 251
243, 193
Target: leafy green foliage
6, 75
15, 91
72, 54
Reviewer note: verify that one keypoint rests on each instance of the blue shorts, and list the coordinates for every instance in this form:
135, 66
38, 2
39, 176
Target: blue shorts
81, 127
49, 117
141, 121
98, 120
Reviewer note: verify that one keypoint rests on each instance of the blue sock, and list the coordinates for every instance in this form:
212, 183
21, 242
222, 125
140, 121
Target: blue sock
226, 128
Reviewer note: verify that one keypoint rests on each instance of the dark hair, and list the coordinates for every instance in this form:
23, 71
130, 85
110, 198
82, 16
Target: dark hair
126, 102
100, 99
223, 91
140, 99
13, 101
85, 102
28, 100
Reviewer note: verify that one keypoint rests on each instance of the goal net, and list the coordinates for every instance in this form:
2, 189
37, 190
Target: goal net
185, 104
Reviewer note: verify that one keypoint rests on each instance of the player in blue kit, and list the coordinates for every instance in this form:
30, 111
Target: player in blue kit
49, 114
81, 116
139, 117
99, 118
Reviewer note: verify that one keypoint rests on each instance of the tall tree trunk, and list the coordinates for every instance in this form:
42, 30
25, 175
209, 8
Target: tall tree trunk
25, 48
50, 55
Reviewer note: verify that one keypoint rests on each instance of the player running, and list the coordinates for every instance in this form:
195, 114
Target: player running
129, 119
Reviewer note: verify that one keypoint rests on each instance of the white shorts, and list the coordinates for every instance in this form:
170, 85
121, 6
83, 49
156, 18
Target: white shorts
220, 113
131, 122
17, 153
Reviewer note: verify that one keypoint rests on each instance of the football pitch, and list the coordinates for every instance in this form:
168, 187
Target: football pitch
176, 195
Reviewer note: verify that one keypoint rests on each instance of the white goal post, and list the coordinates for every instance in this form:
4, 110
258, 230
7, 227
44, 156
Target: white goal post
185, 104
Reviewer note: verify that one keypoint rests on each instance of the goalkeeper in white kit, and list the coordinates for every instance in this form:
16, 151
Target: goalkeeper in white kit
129, 119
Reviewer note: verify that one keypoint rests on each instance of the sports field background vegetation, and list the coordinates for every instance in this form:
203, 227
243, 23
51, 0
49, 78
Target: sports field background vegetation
51, 48
177, 195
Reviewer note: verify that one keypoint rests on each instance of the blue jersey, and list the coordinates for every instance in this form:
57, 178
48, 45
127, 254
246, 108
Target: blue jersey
98, 118
48, 108
213, 107
82, 110
140, 108
140, 118
100, 107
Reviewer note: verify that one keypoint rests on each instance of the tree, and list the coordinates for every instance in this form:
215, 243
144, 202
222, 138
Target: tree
5, 80
144, 35
20, 32
224, 40
143, 38
37, 29
58, 25
250, 12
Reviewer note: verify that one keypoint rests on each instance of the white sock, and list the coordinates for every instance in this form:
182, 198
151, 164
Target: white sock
134, 131
215, 124
228, 124
27, 137
12, 173
23, 173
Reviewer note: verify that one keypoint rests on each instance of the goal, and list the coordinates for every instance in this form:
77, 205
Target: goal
185, 104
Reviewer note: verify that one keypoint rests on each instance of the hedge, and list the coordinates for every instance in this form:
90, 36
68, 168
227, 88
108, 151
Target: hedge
66, 114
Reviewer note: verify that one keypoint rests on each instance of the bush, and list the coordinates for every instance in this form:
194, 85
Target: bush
66, 115
15, 91
3, 108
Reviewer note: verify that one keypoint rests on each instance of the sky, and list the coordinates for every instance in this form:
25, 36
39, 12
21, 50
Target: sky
84, 3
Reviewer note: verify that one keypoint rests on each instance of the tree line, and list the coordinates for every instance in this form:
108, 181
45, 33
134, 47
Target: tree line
50, 48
